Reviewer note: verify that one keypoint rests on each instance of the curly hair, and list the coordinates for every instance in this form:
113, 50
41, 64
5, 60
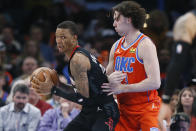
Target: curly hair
133, 10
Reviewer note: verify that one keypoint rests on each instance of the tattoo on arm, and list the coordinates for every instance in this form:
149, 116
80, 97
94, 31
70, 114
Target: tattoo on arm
79, 66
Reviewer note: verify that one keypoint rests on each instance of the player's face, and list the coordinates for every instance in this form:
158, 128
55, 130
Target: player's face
64, 39
187, 98
20, 100
120, 23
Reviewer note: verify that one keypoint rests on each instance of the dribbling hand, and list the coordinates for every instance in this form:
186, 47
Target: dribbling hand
43, 88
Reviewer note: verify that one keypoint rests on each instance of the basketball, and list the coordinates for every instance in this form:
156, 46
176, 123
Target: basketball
49, 73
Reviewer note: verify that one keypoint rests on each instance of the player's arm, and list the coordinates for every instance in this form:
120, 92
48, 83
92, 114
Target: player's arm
79, 66
78, 93
147, 52
110, 67
183, 36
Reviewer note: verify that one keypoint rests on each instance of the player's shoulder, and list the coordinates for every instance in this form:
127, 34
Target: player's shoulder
146, 42
79, 57
186, 19
115, 45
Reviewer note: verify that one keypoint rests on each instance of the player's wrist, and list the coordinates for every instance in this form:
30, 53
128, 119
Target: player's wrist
166, 99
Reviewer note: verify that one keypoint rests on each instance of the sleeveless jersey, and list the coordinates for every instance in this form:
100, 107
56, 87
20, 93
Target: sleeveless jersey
128, 61
96, 77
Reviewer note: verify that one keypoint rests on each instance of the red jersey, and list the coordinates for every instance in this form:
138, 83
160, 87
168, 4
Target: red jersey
128, 61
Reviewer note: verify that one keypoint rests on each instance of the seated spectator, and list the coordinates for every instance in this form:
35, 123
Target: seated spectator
54, 101
13, 49
31, 48
180, 122
3, 94
36, 34
192, 85
36, 100
58, 118
174, 101
29, 64
19, 114
173, 105
186, 98
4, 66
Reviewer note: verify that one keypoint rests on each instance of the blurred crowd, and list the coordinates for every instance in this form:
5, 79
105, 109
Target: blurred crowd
27, 41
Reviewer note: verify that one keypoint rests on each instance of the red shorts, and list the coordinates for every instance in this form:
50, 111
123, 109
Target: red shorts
139, 117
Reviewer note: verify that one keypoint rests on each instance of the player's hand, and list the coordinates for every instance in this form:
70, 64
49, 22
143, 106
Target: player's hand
164, 114
111, 89
114, 85
40, 87
116, 77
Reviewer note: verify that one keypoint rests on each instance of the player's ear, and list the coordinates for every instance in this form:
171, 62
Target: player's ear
75, 38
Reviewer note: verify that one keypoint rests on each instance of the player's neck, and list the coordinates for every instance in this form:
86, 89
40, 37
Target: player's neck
131, 36
70, 52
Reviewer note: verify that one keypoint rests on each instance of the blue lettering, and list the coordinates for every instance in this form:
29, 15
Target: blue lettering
117, 63
129, 68
123, 64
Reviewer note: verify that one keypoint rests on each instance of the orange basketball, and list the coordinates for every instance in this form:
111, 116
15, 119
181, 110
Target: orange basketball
39, 74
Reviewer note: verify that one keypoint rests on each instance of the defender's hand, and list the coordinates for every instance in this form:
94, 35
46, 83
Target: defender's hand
116, 77
114, 85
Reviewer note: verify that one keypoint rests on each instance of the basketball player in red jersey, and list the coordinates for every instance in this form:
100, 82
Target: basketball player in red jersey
134, 55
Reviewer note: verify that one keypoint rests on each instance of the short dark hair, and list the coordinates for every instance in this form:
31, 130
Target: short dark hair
133, 10
69, 25
177, 118
22, 88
